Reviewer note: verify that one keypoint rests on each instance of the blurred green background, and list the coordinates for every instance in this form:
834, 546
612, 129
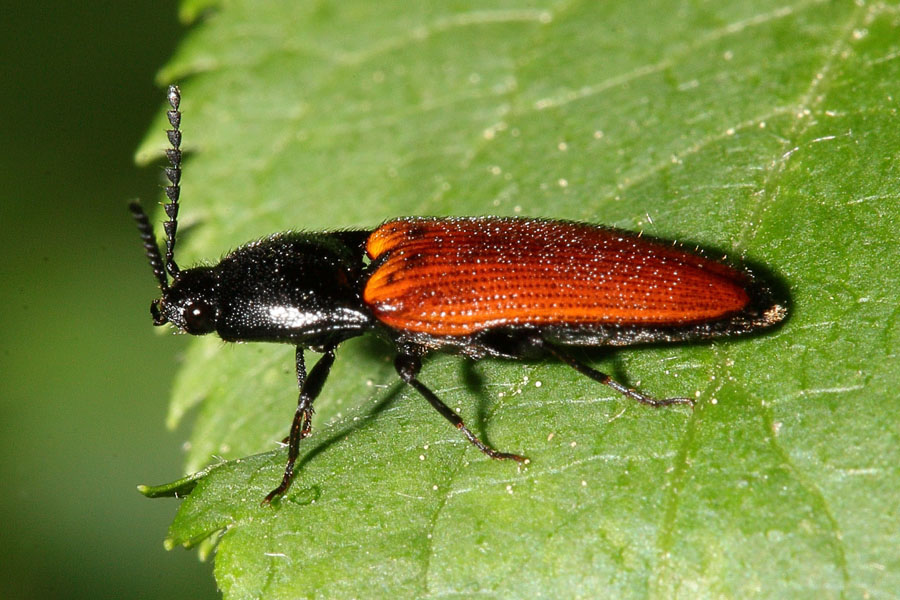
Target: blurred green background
85, 382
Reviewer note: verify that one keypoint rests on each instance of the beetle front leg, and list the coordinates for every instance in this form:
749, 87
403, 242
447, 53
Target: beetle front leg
408, 366
302, 423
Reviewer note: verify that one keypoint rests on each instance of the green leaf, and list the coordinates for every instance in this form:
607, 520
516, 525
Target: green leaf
767, 130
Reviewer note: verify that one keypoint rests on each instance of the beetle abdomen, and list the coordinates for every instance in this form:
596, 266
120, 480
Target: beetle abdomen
459, 276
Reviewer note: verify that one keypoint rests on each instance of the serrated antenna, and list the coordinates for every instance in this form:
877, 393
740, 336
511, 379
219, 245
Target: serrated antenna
150, 247
173, 173
159, 265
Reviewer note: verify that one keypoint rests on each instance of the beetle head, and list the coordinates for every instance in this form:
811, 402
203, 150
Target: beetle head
190, 303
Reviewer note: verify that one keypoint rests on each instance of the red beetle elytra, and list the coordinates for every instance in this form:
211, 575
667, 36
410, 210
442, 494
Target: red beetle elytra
481, 286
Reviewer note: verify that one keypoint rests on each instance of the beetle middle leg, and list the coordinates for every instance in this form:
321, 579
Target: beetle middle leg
408, 366
302, 424
605, 379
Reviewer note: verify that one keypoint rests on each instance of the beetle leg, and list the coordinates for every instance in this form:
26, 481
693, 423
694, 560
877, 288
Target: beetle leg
408, 366
605, 379
301, 379
302, 423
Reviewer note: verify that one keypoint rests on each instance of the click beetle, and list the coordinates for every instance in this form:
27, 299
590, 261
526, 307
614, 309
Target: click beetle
479, 286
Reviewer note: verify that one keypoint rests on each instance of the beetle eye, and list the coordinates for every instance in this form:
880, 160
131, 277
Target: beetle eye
199, 318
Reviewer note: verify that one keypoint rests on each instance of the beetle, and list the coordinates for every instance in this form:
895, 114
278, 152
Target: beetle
479, 287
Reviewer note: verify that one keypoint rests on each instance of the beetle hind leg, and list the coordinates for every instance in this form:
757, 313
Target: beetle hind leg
408, 366
605, 379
